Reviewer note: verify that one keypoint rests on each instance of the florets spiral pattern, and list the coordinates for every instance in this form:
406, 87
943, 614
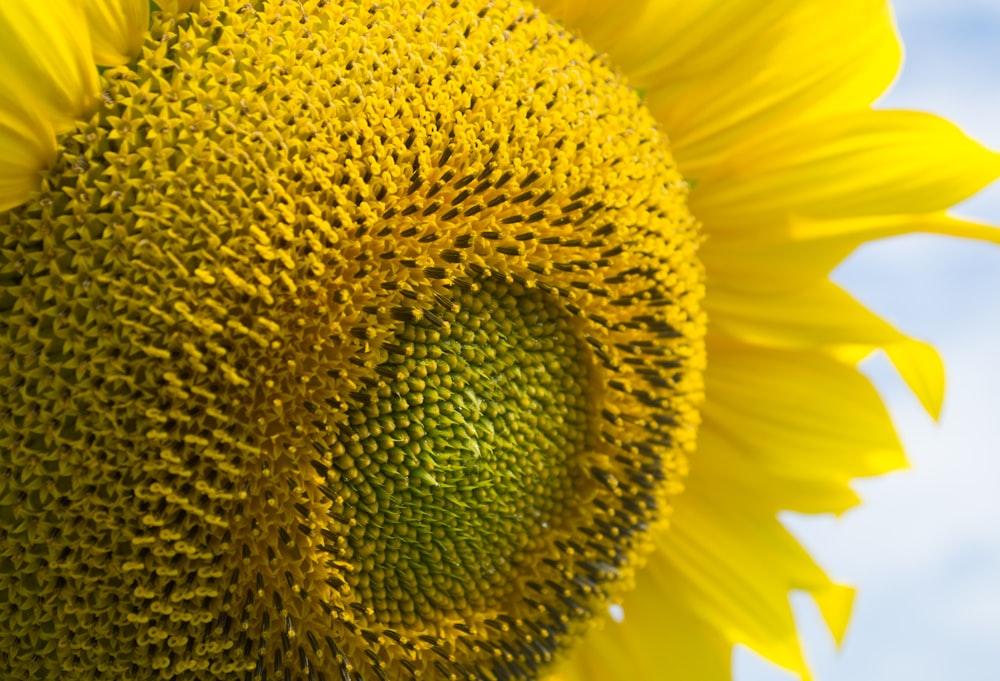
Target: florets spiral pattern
342, 343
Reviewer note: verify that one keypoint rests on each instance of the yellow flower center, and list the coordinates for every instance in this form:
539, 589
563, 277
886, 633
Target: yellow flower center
343, 342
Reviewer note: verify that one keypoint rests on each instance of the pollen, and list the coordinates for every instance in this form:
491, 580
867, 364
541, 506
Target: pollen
346, 342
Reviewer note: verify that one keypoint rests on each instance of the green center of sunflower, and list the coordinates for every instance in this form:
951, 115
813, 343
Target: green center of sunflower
460, 460
356, 342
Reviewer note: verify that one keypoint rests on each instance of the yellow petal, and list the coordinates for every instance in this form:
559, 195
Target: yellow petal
29, 144
47, 80
868, 228
177, 6
798, 491
797, 415
921, 367
919, 364
117, 29
776, 421
603, 23
732, 568
835, 605
732, 479
825, 316
690, 37
655, 641
867, 163
810, 249
736, 565
45, 60
820, 60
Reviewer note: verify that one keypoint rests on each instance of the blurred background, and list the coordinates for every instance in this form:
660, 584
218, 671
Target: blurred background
924, 550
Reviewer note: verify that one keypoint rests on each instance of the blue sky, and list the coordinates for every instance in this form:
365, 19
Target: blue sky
924, 550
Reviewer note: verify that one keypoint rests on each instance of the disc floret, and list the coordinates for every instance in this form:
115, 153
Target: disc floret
344, 341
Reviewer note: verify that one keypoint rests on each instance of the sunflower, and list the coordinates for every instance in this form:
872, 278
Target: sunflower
407, 339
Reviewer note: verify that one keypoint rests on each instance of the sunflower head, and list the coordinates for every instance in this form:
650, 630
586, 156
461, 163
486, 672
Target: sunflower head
342, 342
